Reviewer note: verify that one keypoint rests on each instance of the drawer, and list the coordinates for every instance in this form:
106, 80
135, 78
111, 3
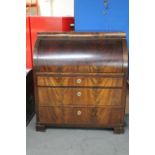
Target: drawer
80, 115
49, 96
79, 81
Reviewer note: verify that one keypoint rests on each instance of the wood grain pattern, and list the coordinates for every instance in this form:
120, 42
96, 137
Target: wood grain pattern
69, 115
79, 81
62, 55
80, 35
88, 97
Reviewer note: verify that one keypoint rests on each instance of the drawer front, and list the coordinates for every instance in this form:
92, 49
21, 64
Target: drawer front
80, 115
79, 96
80, 81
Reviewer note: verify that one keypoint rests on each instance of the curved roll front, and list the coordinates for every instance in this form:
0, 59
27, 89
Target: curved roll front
80, 52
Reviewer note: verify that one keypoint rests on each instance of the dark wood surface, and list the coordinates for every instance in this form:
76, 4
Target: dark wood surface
80, 80
30, 105
76, 55
79, 96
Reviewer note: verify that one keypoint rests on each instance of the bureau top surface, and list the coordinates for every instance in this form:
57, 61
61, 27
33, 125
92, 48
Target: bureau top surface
79, 52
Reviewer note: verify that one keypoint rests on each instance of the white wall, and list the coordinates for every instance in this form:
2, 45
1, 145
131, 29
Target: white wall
56, 7
45, 7
63, 7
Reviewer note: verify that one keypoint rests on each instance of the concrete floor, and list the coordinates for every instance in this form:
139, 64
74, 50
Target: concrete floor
76, 141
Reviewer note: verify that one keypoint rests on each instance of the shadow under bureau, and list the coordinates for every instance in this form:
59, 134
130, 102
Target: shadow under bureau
80, 80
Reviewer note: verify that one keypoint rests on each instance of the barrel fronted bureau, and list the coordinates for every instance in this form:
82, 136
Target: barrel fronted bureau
80, 80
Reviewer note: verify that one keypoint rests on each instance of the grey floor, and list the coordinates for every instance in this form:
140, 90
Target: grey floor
76, 141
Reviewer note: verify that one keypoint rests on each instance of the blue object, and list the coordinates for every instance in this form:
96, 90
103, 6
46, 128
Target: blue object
90, 16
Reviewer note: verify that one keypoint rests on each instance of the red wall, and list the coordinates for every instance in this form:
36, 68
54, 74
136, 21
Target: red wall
36, 24
66, 21
28, 45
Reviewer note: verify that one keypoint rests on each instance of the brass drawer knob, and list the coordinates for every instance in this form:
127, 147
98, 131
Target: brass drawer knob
79, 112
78, 81
78, 93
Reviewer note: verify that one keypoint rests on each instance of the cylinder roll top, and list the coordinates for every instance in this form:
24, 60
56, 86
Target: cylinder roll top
80, 52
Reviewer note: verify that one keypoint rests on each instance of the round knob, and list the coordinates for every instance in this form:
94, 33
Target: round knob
78, 93
79, 112
78, 81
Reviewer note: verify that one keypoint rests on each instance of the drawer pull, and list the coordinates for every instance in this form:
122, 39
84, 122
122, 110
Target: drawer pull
78, 93
79, 112
78, 81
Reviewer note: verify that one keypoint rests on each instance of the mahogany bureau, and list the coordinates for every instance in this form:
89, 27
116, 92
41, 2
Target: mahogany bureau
80, 80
